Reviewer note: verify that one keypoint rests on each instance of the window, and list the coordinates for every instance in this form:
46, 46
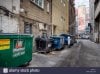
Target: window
36, 1
40, 3
27, 28
48, 7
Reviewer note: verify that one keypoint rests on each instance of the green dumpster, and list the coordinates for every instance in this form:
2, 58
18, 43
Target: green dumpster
15, 49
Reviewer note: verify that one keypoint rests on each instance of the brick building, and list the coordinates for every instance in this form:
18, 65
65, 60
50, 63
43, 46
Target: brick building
72, 17
36, 16
60, 16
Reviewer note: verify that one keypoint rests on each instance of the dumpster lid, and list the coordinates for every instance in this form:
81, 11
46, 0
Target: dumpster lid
13, 34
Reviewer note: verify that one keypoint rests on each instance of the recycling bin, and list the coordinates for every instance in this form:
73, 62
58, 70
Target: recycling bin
15, 49
65, 38
57, 42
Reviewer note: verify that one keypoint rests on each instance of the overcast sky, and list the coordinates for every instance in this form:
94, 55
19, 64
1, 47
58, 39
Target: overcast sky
81, 2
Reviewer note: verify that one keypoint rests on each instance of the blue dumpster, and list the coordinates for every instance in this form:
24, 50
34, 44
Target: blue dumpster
57, 42
73, 40
65, 38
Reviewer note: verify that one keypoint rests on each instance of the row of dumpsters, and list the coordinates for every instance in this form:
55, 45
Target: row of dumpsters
16, 49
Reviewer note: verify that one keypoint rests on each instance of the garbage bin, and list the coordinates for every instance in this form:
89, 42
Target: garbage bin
15, 50
57, 42
43, 44
65, 38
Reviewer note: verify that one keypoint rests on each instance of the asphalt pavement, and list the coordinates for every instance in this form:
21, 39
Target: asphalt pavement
89, 54
84, 53
64, 58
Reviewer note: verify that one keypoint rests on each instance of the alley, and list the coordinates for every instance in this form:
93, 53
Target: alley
89, 54
83, 54
46, 26
64, 58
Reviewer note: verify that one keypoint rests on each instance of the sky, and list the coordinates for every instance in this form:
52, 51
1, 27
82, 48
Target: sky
81, 2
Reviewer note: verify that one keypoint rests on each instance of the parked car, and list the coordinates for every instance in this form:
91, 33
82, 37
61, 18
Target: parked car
85, 37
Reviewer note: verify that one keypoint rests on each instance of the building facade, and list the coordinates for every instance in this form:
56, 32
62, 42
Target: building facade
9, 9
76, 29
91, 11
36, 16
97, 20
81, 18
60, 18
72, 17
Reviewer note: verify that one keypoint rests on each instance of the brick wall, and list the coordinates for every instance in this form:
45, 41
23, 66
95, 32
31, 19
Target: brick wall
35, 14
60, 16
